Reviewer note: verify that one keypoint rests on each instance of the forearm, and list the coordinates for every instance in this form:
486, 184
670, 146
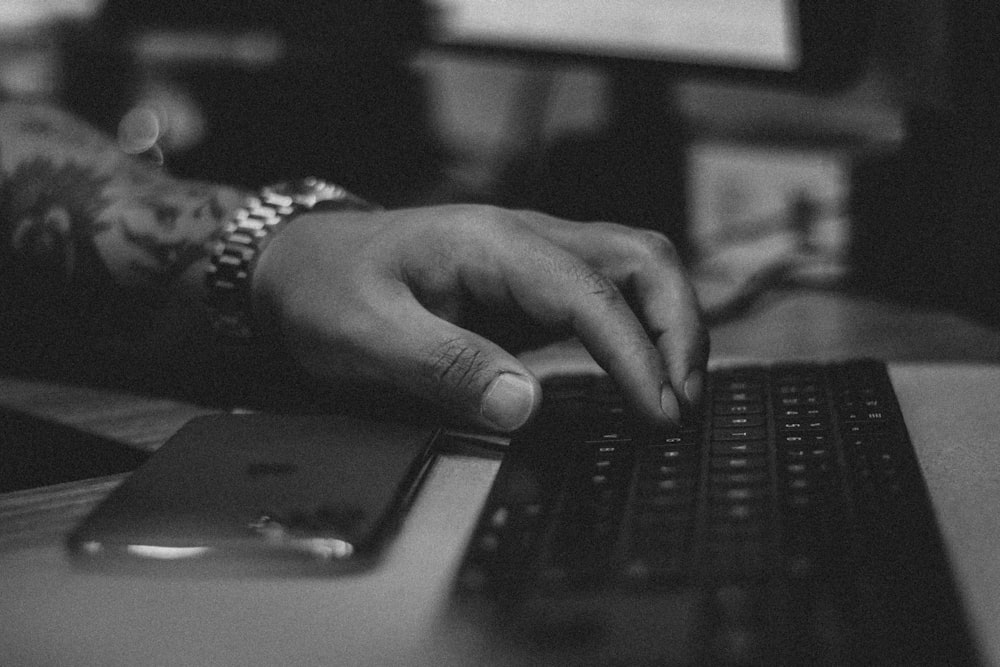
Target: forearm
80, 217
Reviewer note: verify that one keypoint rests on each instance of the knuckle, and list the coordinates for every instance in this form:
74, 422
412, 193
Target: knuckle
652, 247
608, 229
467, 220
598, 284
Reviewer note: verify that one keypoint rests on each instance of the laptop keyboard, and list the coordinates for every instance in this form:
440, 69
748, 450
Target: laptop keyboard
792, 504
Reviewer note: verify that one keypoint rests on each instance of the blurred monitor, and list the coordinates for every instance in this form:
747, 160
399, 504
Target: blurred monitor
794, 41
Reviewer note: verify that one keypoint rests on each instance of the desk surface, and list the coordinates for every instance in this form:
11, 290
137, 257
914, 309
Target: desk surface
54, 615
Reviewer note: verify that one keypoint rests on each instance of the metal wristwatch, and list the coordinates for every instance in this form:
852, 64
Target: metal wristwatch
246, 235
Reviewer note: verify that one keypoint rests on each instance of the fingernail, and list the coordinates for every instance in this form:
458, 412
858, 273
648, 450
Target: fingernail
693, 387
508, 401
668, 403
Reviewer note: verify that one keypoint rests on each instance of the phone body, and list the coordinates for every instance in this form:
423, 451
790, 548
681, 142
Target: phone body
261, 494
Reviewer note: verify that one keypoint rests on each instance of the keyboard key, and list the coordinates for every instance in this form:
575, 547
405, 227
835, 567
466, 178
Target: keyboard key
741, 478
740, 493
724, 508
678, 504
727, 434
738, 463
808, 424
666, 471
798, 440
739, 448
738, 421
799, 401
739, 408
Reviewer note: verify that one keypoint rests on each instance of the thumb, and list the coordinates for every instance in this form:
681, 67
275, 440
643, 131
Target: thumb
509, 400
461, 370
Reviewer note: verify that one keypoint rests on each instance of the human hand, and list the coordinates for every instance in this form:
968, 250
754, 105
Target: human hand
405, 299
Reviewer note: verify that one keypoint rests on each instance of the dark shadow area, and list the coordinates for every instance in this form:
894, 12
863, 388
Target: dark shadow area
926, 219
39, 452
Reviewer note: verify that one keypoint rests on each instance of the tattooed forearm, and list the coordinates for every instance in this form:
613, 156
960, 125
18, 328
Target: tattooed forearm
165, 261
73, 208
47, 215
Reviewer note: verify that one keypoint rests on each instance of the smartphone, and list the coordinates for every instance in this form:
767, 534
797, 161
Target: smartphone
257, 494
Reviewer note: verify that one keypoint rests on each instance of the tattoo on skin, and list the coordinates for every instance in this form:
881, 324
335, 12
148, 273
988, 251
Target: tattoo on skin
159, 261
72, 205
48, 211
159, 233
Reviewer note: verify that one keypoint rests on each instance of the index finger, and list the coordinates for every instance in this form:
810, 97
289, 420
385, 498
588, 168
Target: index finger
673, 319
559, 289
646, 266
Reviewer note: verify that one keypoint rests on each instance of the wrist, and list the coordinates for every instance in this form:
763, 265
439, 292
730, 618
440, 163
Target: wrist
227, 201
230, 276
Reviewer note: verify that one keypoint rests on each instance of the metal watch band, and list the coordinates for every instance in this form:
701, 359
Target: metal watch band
246, 235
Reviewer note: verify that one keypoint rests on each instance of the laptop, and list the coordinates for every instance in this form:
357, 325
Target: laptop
786, 522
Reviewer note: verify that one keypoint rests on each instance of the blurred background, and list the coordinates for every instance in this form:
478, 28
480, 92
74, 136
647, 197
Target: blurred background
862, 185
